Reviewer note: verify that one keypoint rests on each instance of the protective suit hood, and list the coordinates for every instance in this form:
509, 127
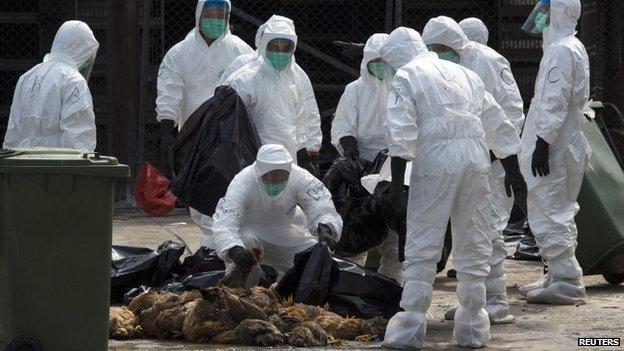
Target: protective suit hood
272, 157
402, 46
564, 16
444, 30
198, 13
262, 48
75, 39
475, 30
372, 51
282, 29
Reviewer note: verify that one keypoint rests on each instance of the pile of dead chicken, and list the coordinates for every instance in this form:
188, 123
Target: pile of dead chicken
235, 316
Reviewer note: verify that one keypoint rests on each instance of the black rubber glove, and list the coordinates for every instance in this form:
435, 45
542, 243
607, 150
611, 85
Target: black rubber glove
307, 162
399, 202
350, 50
167, 139
327, 235
539, 164
492, 157
514, 181
349, 147
242, 258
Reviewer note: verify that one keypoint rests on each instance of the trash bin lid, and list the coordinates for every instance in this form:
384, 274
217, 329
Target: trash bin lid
60, 161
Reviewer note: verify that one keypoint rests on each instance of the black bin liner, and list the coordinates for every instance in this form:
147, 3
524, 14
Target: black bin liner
351, 290
217, 141
397, 224
363, 223
134, 266
527, 249
204, 260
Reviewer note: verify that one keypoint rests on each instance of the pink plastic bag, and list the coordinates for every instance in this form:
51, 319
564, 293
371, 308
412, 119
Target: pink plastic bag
152, 192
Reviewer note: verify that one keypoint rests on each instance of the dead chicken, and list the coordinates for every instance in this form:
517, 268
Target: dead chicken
165, 302
171, 321
304, 312
264, 298
252, 332
308, 334
122, 324
374, 327
339, 327
286, 323
231, 306
220, 310
143, 302
200, 312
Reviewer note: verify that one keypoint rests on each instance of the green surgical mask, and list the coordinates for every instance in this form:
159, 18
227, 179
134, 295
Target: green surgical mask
449, 56
279, 60
213, 27
541, 22
273, 189
377, 69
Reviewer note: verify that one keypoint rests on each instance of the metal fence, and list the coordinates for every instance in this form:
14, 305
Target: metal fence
123, 83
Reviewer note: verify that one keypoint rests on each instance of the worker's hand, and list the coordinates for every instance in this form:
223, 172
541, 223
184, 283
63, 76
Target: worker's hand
167, 139
327, 235
307, 162
242, 258
397, 195
539, 163
349, 147
514, 181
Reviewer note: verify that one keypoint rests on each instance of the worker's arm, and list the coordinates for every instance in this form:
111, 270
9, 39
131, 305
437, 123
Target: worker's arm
316, 202
77, 122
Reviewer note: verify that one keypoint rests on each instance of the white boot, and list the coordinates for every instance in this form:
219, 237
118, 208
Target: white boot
544, 281
559, 292
472, 325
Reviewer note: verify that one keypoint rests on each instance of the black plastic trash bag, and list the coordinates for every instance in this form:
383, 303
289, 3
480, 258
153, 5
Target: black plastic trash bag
351, 290
215, 144
204, 260
135, 266
363, 224
527, 249
201, 281
396, 222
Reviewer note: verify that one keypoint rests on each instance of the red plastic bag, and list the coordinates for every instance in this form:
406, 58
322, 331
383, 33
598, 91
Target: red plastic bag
152, 192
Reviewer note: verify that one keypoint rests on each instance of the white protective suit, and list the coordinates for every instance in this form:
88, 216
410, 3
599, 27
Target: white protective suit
191, 71
561, 92
273, 99
475, 30
440, 117
52, 105
495, 72
248, 217
188, 76
312, 136
361, 111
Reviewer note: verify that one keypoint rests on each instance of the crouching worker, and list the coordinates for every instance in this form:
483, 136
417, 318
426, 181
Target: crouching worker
259, 212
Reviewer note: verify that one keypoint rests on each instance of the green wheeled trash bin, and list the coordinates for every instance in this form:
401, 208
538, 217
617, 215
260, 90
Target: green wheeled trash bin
56, 211
601, 218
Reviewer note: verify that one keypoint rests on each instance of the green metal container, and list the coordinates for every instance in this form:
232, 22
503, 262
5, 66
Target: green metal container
56, 210
601, 218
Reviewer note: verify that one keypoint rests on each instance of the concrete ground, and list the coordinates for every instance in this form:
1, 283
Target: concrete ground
538, 327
